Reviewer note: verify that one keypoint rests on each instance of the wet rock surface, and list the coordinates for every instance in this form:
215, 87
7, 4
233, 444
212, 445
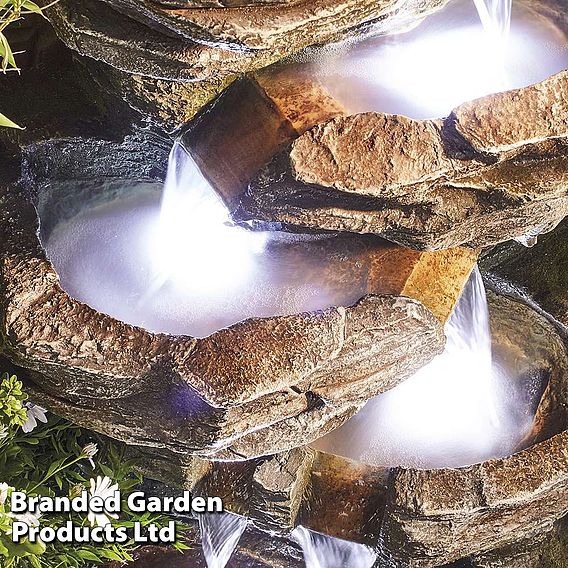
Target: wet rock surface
477, 178
195, 40
538, 274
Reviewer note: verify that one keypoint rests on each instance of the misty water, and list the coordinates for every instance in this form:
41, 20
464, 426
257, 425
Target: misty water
173, 263
220, 535
450, 58
322, 551
460, 409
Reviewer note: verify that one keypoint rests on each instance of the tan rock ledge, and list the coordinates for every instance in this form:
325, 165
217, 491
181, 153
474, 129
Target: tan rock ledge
496, 169
260, 386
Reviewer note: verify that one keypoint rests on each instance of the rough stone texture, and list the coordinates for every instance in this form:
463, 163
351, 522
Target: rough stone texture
452, 507
425, 518
549, 550
255, 388
477, 178
344, 499
257, 116
538, 274
435, 517
250, 122
164, 104
438, 516
278, 486
194, 42
542, 357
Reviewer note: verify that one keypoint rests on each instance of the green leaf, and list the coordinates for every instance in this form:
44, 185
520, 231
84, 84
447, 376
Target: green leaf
88, 555
6, 54
7, 123
32, 7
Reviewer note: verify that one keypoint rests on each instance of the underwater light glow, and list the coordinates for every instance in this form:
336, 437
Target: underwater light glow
459, 409
193, 242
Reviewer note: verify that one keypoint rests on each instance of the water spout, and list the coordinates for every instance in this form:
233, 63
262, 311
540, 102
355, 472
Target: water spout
321, 551
220, 535
456, 55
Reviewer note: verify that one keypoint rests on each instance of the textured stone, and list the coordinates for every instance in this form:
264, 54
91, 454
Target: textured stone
434, 517
344, 499
538, 273
427, 517
548, 550
437, 516
479, 177
257, 116
194, 42
164, 104
543, 357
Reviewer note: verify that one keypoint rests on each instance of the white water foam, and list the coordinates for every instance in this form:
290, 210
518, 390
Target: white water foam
451, 58
178, 266
220, 535
321, 551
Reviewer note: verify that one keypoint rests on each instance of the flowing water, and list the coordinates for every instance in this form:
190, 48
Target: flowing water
220, 535
321, 551
451, 58
458, 410
175, 264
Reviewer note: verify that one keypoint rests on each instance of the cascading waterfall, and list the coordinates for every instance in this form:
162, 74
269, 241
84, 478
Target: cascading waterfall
220, 535
321, 551
177, 265
495, 16
449, 59
458, 410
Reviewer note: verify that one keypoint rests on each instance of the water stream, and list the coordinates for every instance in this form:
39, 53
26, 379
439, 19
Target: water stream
174, 263
220, 535
321, 551
460, 409
450, 58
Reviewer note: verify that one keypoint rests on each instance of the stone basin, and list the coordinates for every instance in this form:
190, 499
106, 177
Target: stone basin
258, 387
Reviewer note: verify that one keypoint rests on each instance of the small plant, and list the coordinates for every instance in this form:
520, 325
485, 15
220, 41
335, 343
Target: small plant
12, 11
49, 456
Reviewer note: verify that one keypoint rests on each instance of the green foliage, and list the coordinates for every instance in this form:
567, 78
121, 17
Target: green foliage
56, 458
12, 411
12, 11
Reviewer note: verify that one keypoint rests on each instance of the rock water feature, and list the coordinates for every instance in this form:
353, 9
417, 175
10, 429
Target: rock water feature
464, 387
220, 535
184, 269
236, 410
456, 55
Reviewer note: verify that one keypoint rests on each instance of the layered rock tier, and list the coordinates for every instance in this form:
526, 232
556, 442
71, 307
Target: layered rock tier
197, 41
495, 169
261, 386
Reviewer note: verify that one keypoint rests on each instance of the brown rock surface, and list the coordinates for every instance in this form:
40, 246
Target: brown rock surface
538, 273
434, 517
258, 116
468, 180
194, 40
